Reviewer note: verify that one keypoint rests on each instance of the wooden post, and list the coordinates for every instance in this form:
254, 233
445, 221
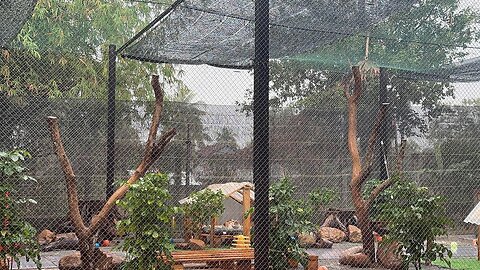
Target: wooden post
246, 207
212, 232
478, 231
478, 243
187, 228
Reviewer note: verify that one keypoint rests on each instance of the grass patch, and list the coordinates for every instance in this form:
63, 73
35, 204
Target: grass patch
461, 264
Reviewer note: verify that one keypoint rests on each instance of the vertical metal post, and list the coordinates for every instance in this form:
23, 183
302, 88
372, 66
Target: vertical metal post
189, 156
112, 60
383, 137
261, 168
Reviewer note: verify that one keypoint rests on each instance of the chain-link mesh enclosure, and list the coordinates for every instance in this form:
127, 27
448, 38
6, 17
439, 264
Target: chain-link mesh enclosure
207, 135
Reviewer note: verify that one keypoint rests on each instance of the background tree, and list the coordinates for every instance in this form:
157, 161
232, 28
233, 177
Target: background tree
226, 137
442, 27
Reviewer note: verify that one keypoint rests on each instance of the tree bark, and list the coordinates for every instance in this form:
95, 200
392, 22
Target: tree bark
360, 174
91, 258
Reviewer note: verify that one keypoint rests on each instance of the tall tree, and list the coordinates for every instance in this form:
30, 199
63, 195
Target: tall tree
426, 37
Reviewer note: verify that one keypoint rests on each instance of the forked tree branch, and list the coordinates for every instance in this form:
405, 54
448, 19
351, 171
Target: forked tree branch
152, 153
153, 150
387, 183
74, 211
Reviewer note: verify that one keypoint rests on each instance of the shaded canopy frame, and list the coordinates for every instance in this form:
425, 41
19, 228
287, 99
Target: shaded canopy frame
14, 14
261, 158
227, 29
259, 63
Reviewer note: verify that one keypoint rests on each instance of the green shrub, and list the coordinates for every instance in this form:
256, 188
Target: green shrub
414, 218
203, 206
288, 217
17, 237
148, 226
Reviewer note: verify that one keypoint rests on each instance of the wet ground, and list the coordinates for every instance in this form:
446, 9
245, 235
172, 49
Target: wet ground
327, 257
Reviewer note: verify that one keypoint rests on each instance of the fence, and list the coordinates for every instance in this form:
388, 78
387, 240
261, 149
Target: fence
60, 64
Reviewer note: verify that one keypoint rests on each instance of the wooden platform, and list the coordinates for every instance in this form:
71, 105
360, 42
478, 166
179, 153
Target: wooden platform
234, 259
226, 259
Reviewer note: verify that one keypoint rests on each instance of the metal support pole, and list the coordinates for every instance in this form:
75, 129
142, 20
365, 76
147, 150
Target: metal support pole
112, 60
383, 137
261, 167
189, 156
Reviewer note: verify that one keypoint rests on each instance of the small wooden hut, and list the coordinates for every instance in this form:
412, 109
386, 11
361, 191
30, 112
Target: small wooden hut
474, 218
240, 192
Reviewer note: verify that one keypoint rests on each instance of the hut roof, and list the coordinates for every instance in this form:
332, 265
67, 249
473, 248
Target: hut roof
233, 190
474, 216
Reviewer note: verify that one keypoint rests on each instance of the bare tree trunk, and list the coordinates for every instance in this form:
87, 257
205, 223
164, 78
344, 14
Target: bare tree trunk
360, 174
93, 258
86, 246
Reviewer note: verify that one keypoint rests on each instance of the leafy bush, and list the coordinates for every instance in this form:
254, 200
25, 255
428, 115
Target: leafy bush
320, 198
414, 218
17, 238
288, 217
203, 206
148, 225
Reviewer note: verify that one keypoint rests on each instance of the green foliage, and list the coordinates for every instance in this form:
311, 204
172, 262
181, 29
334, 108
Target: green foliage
62, 51
414, 218
288, 217
17, 238
203, 206
460, 264
320, 198
148, 226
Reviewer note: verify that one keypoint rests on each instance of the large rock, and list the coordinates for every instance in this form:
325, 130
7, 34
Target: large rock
45, 237
355, 258
66, 236
332, 234
354, 234
388, 257
307, 240
196, 244
323, 243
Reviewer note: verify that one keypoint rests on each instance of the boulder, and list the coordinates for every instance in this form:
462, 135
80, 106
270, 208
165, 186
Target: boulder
196, 244
66, 236
332, 234
307, 240
70, 262
45, 237
355, 258
388, 257
354, 234
323, 243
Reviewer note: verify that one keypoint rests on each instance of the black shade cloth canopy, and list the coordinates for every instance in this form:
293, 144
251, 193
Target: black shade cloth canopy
13, 14
315, 34
221, 32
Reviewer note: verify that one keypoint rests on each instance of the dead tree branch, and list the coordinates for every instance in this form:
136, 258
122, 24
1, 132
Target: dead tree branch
153, 150
72, 194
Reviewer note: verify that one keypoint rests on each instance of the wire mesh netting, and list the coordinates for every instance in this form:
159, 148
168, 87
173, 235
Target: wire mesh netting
369, 139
